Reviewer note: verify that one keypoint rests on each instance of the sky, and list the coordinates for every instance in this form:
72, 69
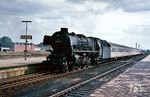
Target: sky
125, 22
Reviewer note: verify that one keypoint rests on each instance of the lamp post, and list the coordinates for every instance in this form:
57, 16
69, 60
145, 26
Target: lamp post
26, 37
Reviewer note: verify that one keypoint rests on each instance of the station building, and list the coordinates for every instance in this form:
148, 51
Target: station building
44, 47
20, 47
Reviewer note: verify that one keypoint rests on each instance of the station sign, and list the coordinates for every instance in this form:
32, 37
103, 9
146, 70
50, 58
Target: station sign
26, 37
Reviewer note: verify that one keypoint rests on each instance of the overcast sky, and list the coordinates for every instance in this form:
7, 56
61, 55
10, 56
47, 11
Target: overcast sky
119, 21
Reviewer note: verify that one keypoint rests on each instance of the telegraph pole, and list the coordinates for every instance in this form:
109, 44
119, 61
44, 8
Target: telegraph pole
139, 46
136, 45
26, 38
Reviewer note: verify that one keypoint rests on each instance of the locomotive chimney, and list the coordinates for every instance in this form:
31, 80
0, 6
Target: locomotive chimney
64, 30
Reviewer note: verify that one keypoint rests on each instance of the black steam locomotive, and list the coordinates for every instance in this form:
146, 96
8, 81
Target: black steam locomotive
72, 51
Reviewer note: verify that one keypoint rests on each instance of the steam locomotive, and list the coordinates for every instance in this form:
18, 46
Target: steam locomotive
72, 51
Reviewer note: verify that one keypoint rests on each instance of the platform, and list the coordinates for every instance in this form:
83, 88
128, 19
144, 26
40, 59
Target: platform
134, 82
19, 66
20, 61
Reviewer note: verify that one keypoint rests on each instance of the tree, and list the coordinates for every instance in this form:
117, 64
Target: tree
6, 42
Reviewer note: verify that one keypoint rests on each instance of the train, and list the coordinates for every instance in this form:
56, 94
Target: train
73, 51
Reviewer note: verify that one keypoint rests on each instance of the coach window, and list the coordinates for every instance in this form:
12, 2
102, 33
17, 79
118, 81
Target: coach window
113, 49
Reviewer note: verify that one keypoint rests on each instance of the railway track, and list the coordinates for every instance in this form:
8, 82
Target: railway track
83, 88
6, 81
25, 83
10, 85
31, 79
